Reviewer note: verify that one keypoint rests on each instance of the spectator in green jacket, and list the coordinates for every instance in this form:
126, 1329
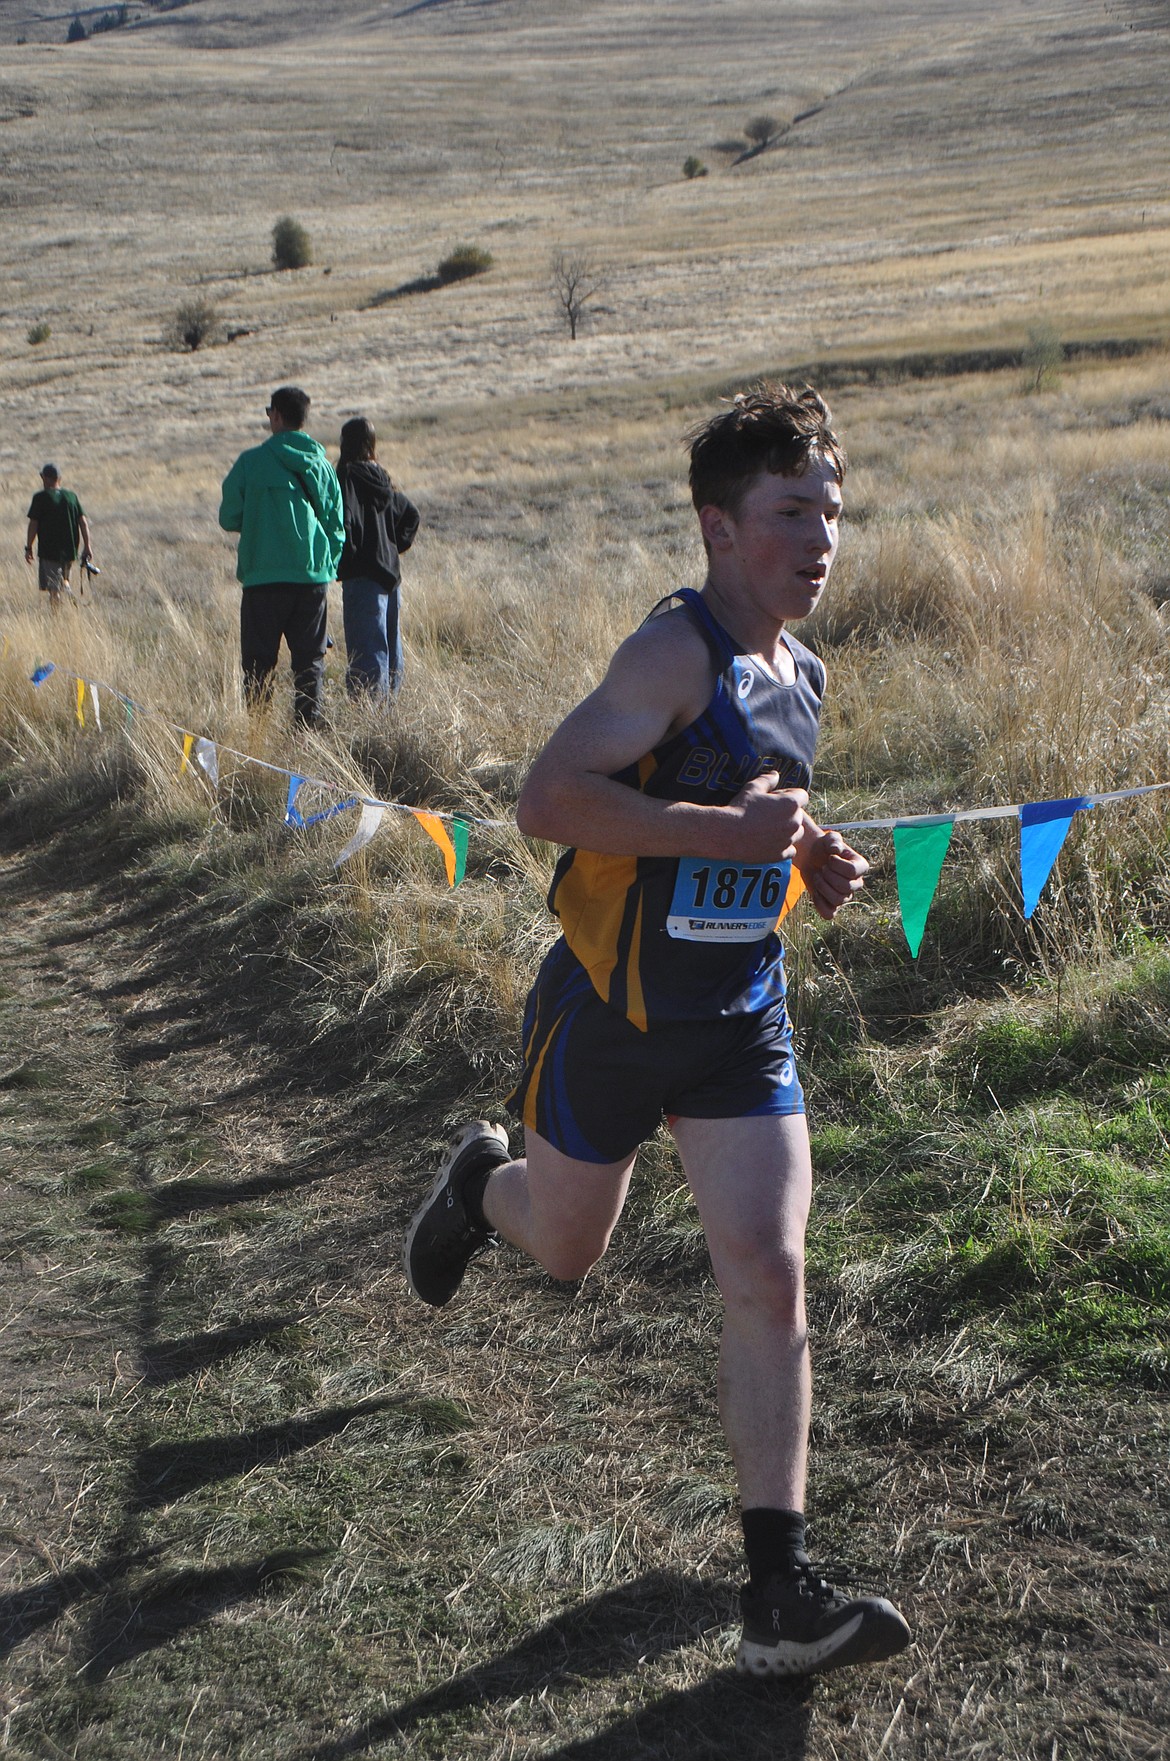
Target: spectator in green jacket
284, 501
57, 526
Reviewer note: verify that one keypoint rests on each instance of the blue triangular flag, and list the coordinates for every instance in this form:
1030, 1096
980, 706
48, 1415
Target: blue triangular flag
331, 812
42, 673
1043, 829
291, 815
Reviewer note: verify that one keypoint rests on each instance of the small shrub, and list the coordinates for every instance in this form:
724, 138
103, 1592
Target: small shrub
760, 130
77, 32
693, 167
292, 247
39, 333
463, 262
1042, 358
111, 21
195, 323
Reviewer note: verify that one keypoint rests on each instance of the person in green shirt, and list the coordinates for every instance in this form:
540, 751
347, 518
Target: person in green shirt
284, 500
58, 528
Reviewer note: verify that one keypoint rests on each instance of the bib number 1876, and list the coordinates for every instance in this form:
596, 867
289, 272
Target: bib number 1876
727, 887
726, 902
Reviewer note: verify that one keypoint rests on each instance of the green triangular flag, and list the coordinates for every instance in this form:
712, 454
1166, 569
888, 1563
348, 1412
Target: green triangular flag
459, 839
919, 853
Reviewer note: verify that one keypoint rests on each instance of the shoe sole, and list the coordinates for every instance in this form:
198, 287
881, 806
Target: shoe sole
479, 1128
864, 1639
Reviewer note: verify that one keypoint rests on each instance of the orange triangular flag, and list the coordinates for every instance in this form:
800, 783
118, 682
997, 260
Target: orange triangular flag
796, 887
431, 823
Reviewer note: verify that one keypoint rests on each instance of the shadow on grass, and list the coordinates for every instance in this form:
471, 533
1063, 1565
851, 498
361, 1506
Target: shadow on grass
420, 284
138, 1210
612, 1636
22, 1612
165, 1471
166, 1360
724, 1716
127, 1624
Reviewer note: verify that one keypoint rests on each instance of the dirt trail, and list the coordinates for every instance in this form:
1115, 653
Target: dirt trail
199, 1294
129, 1101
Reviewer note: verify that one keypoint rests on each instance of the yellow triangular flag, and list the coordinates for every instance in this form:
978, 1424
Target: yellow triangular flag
431, 823
81, 703
188, 742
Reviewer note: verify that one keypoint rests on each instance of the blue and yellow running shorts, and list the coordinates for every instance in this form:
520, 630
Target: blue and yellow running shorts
595, 1086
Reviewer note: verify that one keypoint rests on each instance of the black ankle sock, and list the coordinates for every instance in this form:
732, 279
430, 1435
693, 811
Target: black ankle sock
773, 1541
473, 1191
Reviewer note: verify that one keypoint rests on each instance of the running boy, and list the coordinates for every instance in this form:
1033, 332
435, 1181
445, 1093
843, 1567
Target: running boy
680, 785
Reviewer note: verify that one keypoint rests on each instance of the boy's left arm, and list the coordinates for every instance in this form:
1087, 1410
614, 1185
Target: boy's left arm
831, 870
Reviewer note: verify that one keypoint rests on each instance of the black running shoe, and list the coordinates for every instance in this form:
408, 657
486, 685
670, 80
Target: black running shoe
442, 1238
799, 1625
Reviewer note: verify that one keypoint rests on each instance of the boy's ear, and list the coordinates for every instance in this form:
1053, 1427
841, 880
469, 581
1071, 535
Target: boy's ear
714, 527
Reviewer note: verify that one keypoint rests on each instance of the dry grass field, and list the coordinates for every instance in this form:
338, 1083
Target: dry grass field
256, 1504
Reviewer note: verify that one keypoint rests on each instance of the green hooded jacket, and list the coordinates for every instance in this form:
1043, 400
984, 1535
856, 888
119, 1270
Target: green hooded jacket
284, 500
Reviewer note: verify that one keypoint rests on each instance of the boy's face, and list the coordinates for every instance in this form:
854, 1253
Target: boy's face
778, 549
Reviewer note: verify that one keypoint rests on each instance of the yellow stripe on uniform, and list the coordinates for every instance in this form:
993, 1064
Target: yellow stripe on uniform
635, 1001
591, 903
530, 1120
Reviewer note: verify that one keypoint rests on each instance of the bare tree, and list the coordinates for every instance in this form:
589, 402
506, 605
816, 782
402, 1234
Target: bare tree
576, 280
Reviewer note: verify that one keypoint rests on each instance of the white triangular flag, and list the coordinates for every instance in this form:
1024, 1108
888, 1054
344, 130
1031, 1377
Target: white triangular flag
207, 755
371, 819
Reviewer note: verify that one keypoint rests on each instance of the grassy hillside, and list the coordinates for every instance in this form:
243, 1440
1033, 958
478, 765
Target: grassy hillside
257, 1503
934, 193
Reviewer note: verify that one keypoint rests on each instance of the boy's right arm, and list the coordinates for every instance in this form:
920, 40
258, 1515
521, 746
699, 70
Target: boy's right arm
659, 680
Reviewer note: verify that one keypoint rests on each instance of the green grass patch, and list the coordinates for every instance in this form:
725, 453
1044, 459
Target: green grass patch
1046, 1225
28, 1075
92, 1133
128, 1212
95, 1176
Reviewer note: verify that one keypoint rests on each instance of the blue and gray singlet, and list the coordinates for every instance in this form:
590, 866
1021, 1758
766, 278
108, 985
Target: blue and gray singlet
680, 939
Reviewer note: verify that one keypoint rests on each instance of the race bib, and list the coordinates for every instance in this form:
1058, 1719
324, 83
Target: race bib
726, 901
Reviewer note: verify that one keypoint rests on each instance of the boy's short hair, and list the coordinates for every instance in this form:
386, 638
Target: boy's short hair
291, 405
769, 428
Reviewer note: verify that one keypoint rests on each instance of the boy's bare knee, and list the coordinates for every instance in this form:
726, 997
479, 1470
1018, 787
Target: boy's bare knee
769, 1284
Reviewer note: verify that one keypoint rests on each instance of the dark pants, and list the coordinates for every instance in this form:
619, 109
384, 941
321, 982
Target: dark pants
299, 614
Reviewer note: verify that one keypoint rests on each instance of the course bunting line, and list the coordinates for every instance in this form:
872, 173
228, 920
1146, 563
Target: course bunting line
958, 815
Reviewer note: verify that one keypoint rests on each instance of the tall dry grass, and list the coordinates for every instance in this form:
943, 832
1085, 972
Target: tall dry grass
994, 634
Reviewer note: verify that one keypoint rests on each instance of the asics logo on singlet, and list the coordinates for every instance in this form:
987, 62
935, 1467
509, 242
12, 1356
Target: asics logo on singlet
746, 682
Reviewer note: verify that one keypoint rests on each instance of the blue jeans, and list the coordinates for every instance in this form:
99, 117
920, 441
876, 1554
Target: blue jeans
373, 638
